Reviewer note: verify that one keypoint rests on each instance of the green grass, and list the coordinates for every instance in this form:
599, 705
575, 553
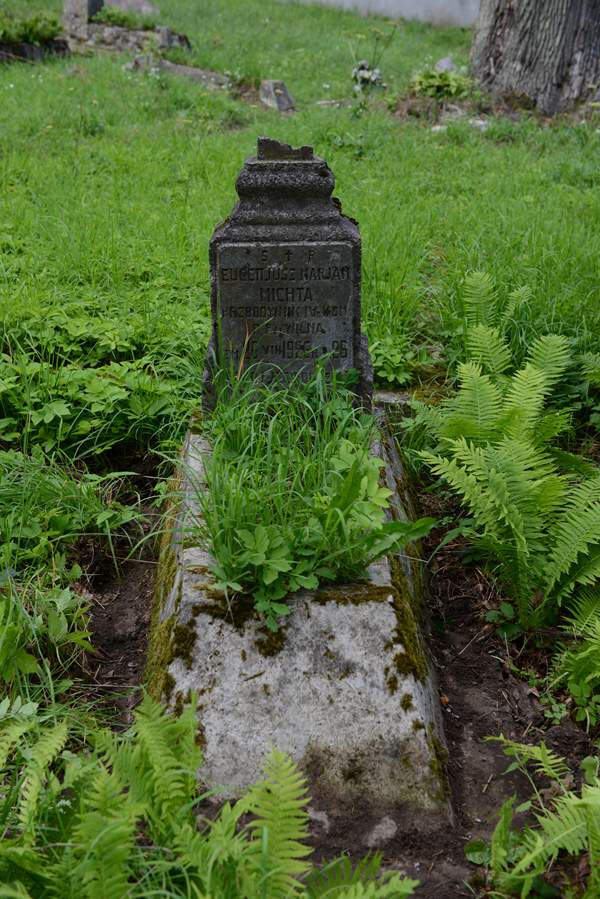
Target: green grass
292, 490
112, 182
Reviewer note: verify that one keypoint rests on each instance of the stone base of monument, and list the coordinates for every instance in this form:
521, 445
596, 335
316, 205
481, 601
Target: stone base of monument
23, 52
344, 686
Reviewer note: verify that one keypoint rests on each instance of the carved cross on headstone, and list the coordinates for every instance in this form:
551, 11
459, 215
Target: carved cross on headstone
285, 273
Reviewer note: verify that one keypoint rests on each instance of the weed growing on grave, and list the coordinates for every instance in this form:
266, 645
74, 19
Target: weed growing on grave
43, 511
293, 490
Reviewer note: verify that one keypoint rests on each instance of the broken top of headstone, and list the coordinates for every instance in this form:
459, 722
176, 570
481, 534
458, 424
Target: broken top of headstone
275, 95
267, 148
285, 274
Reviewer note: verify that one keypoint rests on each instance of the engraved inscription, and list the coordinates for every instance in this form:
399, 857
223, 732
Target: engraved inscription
286, 304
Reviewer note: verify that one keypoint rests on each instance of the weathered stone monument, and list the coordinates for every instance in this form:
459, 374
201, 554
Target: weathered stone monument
275, 95
285, 273
77, 14
345, 686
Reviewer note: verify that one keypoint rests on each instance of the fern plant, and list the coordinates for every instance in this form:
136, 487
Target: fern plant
535, 508
119, 819
479, 305
569, 823
577, 665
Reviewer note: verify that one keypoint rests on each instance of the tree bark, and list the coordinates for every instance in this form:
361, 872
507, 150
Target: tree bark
547, 51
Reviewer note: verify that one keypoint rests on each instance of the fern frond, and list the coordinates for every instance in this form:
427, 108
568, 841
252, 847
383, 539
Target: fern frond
577, 530
105, 839
473, 413
551, 355
550, 425
524, 401
581, 662
543, 759
500, 842
42, 754
393, 886
279, 826
590, 364
164, 763
584, 612
479, 299
571, 462
340, 873
487, 347
521, 296
564, 829
10, 735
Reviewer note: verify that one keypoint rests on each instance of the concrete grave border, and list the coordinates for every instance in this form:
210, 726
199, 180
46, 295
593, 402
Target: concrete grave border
345, 687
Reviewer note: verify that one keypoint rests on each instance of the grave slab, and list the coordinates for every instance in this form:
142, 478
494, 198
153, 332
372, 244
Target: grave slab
344, 687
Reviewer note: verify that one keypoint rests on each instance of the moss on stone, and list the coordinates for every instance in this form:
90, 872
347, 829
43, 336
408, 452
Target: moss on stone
169, 685
236, 611
406, 703
391, 680
159, 656
438, 761
270, 643
183, 642
159, 683
352, 594
201, 736
179, 703
418, 725
412, 659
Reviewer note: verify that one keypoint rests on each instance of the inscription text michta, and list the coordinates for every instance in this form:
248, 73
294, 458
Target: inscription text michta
286, 304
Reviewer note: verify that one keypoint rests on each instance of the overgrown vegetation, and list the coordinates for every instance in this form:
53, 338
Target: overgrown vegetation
566, 822
118, 818
35, 29
112, 182
293, 490
123, 18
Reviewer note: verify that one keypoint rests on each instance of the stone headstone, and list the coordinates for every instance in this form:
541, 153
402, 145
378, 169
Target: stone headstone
76, 15
275, 95
285, 274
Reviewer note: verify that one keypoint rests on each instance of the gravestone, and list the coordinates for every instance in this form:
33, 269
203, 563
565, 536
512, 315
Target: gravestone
76, 15
285, 274
275, 95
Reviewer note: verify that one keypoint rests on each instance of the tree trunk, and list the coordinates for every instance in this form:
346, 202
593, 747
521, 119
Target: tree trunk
547, 51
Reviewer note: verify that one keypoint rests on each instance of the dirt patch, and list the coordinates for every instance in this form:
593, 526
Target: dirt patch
119, 589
